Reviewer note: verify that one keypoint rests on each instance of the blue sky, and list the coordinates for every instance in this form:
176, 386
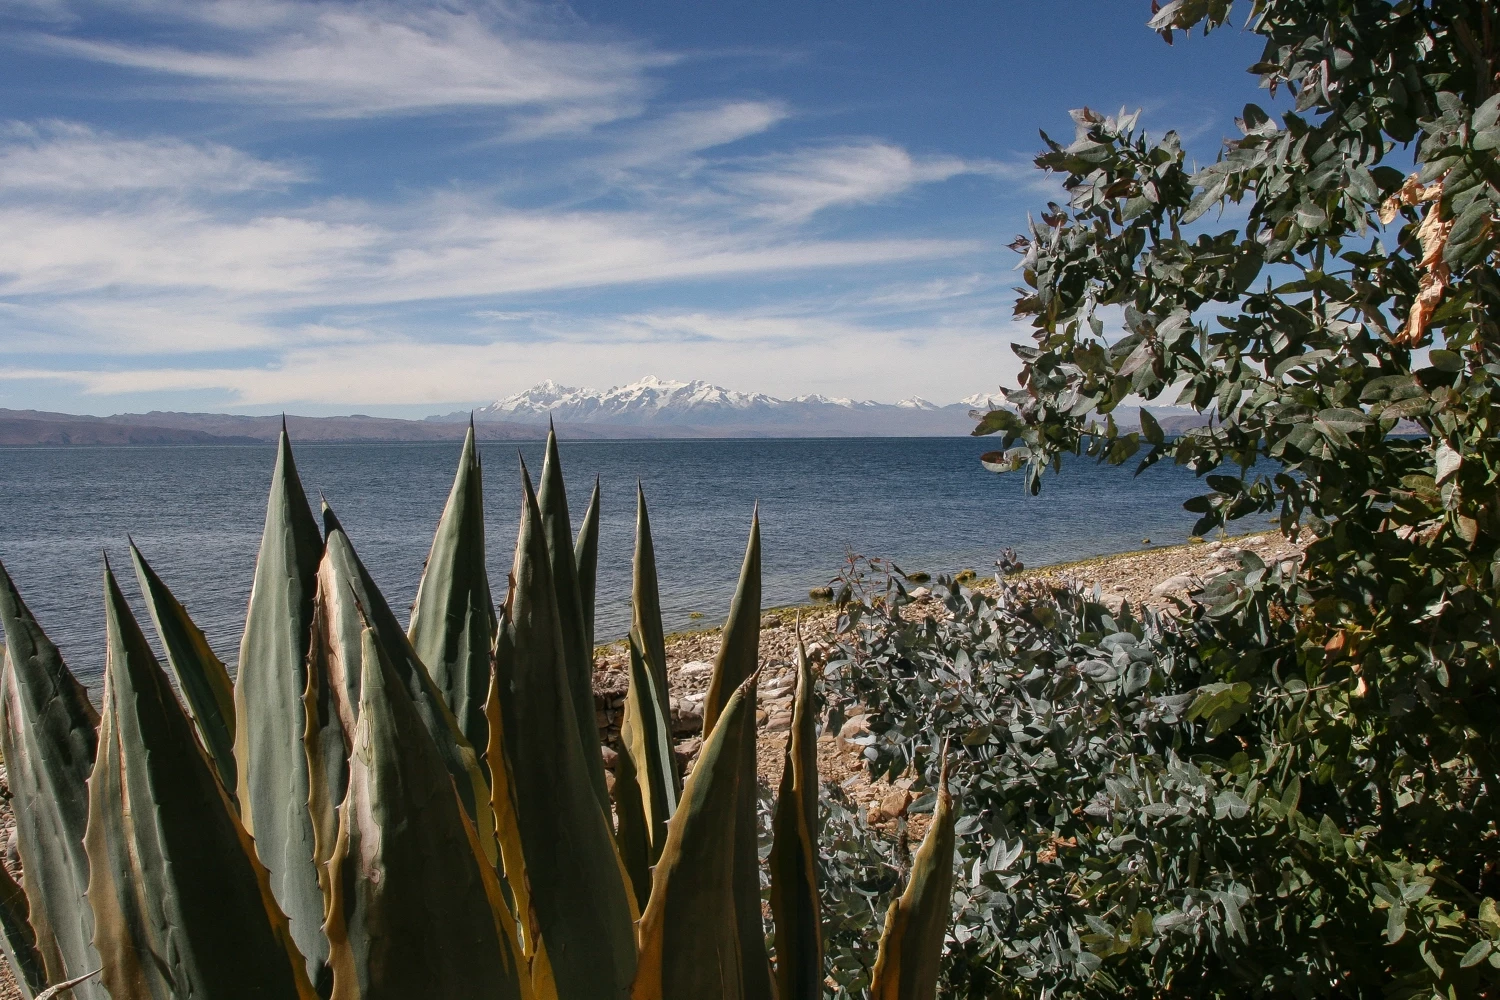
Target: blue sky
407, 208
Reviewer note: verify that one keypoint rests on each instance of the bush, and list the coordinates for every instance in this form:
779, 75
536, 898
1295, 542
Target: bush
1134, 820
1345, 335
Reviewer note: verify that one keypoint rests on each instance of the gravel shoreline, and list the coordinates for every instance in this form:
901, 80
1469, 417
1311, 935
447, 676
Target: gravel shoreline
1158, 577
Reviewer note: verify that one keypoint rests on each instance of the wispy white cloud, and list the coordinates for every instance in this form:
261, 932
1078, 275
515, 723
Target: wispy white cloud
70, 157
791, 187
137, 264
116, 330
163, 245
465, 251
673, 138
449, 247
356, 59
923, 294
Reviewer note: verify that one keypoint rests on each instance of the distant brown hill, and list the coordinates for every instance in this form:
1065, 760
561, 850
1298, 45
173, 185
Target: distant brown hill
30, 428
19, 428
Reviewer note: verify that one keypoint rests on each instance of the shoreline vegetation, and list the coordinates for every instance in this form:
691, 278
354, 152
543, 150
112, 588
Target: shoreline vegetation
1155, 576
1137, 576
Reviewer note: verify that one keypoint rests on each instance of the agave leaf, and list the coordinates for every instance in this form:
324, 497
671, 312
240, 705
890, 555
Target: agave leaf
411, 913
453, 619
645, 597
739, 647
17, 938
911, 949
339, 624
632, 836
578, 891
502, 791
738, 658
181, 906
48, 740
519, 968
586, 556
326, 745
578, 648
348, 599
794, 872
272, 783
689, 934
646, 737
202, 678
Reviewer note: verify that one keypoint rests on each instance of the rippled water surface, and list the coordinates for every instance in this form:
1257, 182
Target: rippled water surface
197, 512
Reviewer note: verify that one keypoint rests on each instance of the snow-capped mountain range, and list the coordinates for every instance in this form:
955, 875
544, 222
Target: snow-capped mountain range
661, 407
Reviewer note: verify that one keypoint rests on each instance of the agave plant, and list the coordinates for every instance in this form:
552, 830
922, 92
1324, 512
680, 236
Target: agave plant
368, 812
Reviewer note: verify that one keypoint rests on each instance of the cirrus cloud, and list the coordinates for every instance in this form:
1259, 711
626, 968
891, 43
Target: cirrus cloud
359, 59
72, 157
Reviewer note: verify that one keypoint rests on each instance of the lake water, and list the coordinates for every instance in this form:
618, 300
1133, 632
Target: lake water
197, 513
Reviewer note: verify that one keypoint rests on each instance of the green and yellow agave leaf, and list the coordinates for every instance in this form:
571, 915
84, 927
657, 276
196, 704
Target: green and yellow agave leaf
645, 596
272, 784
646, 736
181, 906
632, 834
17, 938
348, 602
738, 659
586, 557
453, 619
794, 852
583, 906
326, 745
578, 647
411, 914
339, 623
739, 645
911, 948
48, 738
502, 792
200, 675
689, 933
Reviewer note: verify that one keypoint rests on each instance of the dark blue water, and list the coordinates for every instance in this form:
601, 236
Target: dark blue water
197, 512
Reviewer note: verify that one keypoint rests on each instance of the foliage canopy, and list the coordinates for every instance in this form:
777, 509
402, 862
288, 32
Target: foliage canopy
1343, 334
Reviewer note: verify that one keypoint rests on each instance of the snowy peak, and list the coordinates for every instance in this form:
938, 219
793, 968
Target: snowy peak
651, 399
656, 405
983, 401
540, 398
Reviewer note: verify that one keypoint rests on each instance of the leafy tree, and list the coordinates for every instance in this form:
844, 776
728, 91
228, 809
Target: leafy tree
1345, 334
